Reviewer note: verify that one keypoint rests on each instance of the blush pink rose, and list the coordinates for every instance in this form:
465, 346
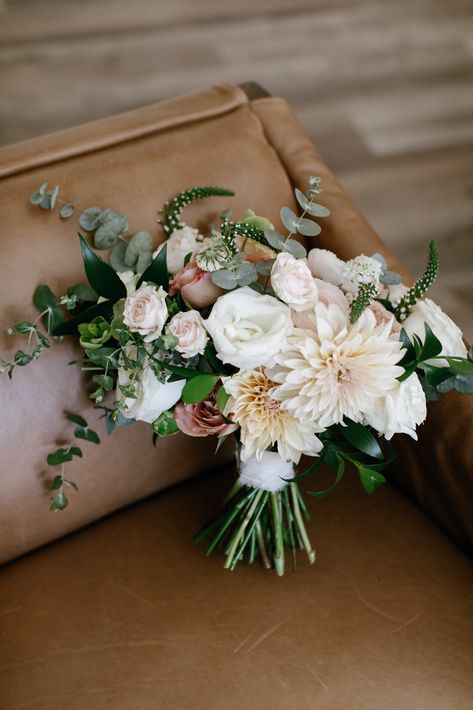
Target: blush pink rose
329, 294
203, 419
196, 286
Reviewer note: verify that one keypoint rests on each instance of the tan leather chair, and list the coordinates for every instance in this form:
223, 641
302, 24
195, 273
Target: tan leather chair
127, 613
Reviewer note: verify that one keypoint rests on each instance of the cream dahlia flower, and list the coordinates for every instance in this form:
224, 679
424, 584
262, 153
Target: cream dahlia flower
338, 370
264, 422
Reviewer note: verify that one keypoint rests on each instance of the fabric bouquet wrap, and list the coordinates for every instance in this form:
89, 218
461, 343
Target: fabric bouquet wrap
242, 333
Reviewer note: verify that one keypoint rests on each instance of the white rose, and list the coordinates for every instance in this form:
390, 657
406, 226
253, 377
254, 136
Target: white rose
326, 265
449, 334
401, 410
293, 283
181, 243
248, 329
146, 312
152, 396
188, 327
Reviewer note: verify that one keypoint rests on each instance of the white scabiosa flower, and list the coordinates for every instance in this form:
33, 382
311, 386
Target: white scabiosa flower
265, 422
360, 270
337, 370
401, 410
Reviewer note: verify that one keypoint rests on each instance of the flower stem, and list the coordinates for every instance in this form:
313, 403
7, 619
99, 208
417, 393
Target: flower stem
278, 536
300, 523
241, 531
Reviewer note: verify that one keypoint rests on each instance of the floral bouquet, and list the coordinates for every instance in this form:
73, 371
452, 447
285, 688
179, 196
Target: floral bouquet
242, 333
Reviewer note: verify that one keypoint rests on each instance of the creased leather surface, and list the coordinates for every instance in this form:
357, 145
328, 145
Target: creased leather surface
129, 615
437, 471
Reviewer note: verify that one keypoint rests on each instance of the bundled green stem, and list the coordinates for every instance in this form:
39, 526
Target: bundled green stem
258, 523
172, 210
422, 285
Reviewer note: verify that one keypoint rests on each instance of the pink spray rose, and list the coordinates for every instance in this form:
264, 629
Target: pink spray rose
196, 286
203, 419
382, 315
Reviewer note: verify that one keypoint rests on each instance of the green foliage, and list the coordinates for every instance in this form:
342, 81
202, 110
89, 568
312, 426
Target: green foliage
46, 199
84, 293
165, 424
94, 334
46, 303
422, 285
221, 399
172, 210
279, 243
251, 218
361, 438
101, 276
198, 388
67, 210
370, 478
366, 295
62, 455
157, 272
105, 309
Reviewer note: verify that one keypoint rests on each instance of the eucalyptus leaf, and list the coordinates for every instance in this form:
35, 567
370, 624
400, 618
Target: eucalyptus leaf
317, 210
139, 243
308, 227
116, 256
380, 259
225, 279
274, 239
288, 218
447, 385
108, 232
144, 260
464, 384
264, 267
90, 218
66, 210
292, 246
390, 278
246, 274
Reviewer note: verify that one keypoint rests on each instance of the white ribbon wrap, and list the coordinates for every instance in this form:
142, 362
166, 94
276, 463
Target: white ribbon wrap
267, 473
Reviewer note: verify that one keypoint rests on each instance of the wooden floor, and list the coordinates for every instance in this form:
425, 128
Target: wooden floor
384, 88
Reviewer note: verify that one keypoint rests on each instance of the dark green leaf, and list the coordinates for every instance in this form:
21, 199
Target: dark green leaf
157, 272
21, 358
198, 388
63, 455
361, 438
55, 483
101, 276
460, 365
23, 327
84, 292
87, 435
44, 298
436, 375
340, 473
308, 472
370, 479
71, 484
432, 345
76, 419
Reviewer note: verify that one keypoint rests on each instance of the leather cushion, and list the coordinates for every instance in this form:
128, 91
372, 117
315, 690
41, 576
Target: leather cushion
128, 614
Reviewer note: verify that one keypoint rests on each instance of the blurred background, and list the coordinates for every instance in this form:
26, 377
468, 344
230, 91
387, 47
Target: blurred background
385, 90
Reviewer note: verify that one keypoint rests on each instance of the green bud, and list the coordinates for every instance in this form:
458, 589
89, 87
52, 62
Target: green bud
94, 334
254, 220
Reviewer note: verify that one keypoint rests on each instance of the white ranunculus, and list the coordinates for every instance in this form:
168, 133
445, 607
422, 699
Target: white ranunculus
188, 327
449, 334
181, 243
248, 329
292, 281
326, 265
152, 396
267, 473
146, 311
400, 410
